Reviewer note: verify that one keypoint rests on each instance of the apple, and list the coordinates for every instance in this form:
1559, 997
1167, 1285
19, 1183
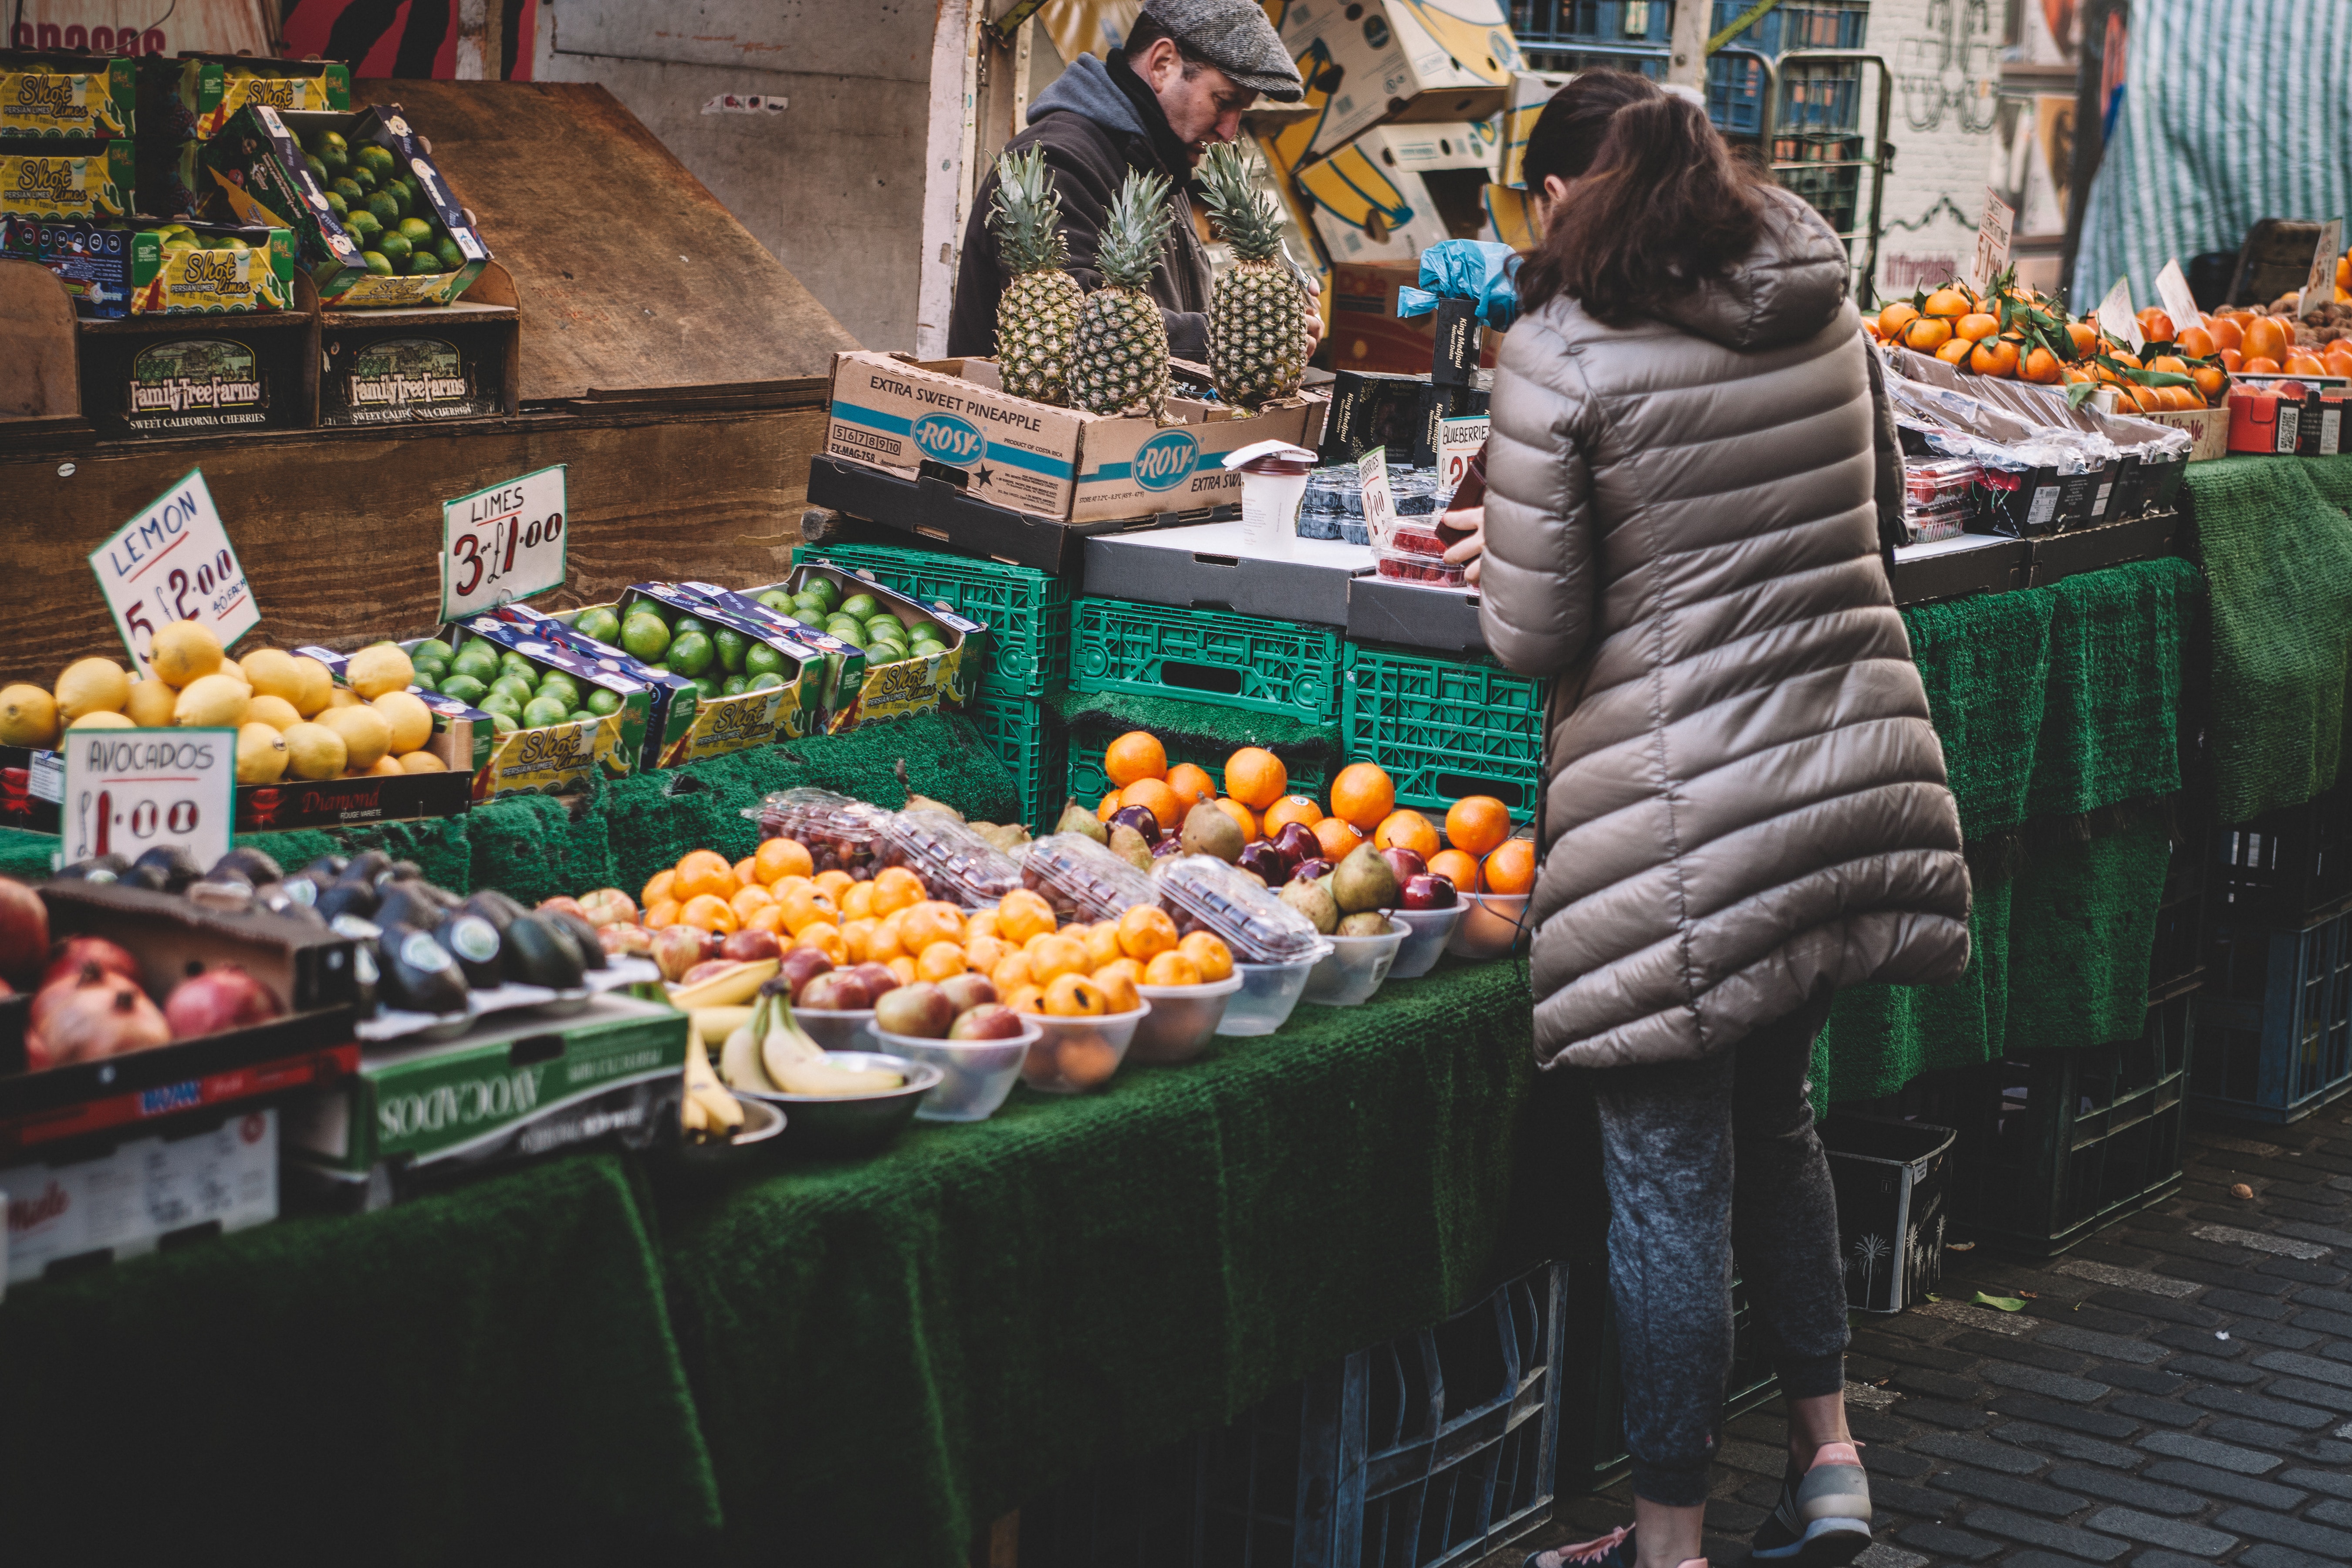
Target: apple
835, 991
570, 906
1428, 891
877, 978
965, 992
1405, 863
989, 1021
1138, 817
799, 966
677, 949
1313, 870
1297, 841
624, 940
1270, 865
608, 907
744, 946
918, 1011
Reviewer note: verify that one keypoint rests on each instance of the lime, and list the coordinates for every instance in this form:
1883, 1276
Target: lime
771, 681
685, 624
729, 645
424, 264
435, 668
475, 665
417, 231
890, 635
884, 653
363, 225
706, 686
503, 725
514, 663
500, 702
426, 678
558, 684
318, 170
599, 623
363, 177
513, 686
690, 653
873, 623
731, 687
330, 143
377, 262
482, 645
379, 158
665, 614
825, 588
778, 600
404, 201
541, 711
860, 606
644, 636
386, 209
433, 648
762, 659
395, 246
349, 189
601, 702
580, 716
844, 628
446, 249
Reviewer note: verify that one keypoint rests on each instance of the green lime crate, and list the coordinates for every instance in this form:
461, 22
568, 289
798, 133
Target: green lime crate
1445, 728
1027, 611
1088, 783
1032, 742
1206, 656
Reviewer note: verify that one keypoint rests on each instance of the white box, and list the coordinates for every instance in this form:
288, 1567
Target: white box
124, 1202
1397, 59
1397, 190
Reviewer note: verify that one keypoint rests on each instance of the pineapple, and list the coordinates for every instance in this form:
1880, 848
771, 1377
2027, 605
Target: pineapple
1258, 319
1039, 311
1120, 366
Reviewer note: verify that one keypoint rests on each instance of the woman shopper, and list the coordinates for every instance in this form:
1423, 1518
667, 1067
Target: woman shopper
1745, 807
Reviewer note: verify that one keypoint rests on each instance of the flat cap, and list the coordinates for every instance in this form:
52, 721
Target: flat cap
1234, 37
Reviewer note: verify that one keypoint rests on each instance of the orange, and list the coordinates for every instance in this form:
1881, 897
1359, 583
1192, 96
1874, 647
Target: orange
1871, 328
834, 883
750, 901
1337, 838
2265, 339
1191, 784
1025, 998
658, 890
1363, 795
1290, 808
1145, 932
1975, 327
2303, 362
1947, 302
2042, 366
1056, 956
708, 912
1118, 987
2210, 381
1022, 915
1241, 814
2226, 332
2196, 343
939, 960
1406, 830
782, 858
1137, 754
979, 923
928, 922
1011, 973
2232, 361
1894, 318
982, 954
1476, 823
1126, 966
1458, 867
897, 888
2260, 364
664, 913
1106, 807
804, 907
1101, 943
901, 968
1956, 351
2172, 364
1171, 969
857, 935
857, 902
701, 872
1209, 954
2120, 357
2339, 359
746, 875
766, 918
1156, 797
884, 945
1511, 868
1255, 777
827, 938
1927, 334
2155, 325
2085, 337
1074, 996
2076, 376
1031, 945
1994, 356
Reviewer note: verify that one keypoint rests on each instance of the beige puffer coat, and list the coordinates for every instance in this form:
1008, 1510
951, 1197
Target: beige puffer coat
1746, 801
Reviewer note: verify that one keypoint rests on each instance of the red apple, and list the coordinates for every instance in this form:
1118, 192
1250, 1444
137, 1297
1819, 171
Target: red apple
989, 1021
876, 979
608, 906
918, 1011
747, 946
1428, 891
965, 992
1405, 863
1270, 865
798, 967
837, 991
677, 949
621, 940
570, 906
1297, 841
1313, 870
24, 932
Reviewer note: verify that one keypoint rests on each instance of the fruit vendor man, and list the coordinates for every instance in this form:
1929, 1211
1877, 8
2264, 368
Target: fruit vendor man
1179, 85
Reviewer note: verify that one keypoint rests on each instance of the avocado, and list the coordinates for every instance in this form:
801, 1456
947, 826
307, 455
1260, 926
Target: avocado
327, 867
536, 955
494, 907
369, 866
255, 867
350, 896
582, 936
418, 974
166, 869
475, 943
408, 904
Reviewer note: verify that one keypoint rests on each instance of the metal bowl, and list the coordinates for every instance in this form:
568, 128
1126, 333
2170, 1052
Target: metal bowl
852, 1124
763, 1124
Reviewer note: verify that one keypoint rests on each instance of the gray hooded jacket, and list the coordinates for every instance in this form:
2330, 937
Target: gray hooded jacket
1745, 801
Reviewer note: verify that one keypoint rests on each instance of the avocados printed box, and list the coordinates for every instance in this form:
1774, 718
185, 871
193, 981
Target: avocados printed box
50, 95
88, 180
952, 418
114, 270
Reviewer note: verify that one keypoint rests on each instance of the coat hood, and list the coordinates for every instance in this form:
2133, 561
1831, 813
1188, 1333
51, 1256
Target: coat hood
1785, 291
1085, 88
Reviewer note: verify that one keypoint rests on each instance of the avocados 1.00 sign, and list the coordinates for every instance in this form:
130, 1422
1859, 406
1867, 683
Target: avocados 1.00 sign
502, 543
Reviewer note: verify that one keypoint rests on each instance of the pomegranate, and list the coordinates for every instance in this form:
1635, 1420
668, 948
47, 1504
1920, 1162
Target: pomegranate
76, 951
222, 997
608, 906
24, 931
104, 1016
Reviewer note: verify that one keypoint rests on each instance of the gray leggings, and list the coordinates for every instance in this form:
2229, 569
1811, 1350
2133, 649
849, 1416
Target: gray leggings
1670, 1137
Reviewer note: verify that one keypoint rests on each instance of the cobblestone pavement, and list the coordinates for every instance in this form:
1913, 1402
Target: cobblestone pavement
2178, 1389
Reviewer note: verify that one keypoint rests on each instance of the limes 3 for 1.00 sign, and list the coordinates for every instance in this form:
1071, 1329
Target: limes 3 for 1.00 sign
503, 543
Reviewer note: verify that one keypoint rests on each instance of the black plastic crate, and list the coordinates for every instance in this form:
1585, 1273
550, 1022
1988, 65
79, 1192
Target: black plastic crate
1892, 1181
2288, 867
1426, 1452
2274, 1020
2176, 964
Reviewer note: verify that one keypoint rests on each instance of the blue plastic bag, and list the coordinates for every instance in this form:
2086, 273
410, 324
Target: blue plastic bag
1475, 270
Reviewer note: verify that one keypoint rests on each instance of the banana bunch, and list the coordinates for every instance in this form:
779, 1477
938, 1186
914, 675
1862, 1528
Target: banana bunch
708, 1111
770, 1054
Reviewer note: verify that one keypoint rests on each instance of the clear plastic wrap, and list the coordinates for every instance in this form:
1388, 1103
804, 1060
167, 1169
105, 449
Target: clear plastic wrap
1083, 880
840, 833
1412, 566
1414, 490
1333, 506
1938, 497
956, 864
1202, 893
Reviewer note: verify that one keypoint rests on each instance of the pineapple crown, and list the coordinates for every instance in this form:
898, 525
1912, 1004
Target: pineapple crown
1135, 230
1229, 184
1026, 213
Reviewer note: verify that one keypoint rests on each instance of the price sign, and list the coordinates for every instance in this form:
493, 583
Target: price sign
503, 543
173, 563
2118, 317
1992, 242
130, 791
2319, 287
1458, 441
2172, 289
1380, 504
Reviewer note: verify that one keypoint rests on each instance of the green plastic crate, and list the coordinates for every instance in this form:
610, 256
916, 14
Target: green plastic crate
1206, 656
1027, 611
1033, 745
1088, 783
1445, 728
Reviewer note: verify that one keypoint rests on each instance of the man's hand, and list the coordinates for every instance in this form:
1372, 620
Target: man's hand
1471, 520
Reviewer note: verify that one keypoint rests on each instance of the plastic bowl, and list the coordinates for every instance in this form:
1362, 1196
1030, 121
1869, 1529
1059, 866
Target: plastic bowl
852, 1124
1181, 1021
1357, 966
975, 1074
847, 1030
1490, 927
1426, 933
1072, 1055
1268, 993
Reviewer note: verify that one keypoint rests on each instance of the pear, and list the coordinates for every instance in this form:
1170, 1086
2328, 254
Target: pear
1372, 922
1128, 846
1210, 830
1076, 818
1364, 881
1311, 899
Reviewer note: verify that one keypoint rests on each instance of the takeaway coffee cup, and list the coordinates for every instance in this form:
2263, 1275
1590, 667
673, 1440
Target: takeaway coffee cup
1274, 481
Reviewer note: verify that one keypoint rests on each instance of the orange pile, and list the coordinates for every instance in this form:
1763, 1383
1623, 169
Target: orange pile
2012, 332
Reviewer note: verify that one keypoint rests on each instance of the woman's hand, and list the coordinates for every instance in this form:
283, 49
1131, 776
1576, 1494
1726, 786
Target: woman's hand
1471, 520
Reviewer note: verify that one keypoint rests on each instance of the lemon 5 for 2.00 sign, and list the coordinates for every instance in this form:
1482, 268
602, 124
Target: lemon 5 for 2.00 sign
502, 543
173, 563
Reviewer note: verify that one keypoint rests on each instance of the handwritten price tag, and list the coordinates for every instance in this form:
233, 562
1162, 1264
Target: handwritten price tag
1992, 241
130, 791
2117, 317
1380, 501
173, 563
2178, 303
503, 543
1458, 441
2319, 287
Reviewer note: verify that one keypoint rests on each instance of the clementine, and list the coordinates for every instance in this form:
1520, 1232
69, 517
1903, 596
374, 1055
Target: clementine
1119, 986
704, 872
827, 938
708, 912
805, 907
750, 901
1024, 998
2085, 337
2302, 361
1975, 327
1994, 356
658, 890
901, 968
1476, 823
1290, 808
1137, 754
1171, 969
982, 954
2226, 332
1952, 302
1012, 972
1927, 334
856, 937
1406, 830
1074, 996
2040, 366
746, 873
1106, 807
2196, 343
928, 922
1057, 956
2155, 325
1191, 782
2260, 364
1457, 866
1363, 795
1255, 777
2212, 381
938, 961
2172, 364
1101, 941
857, 902
1145, 932
664, 913
2234, 361
768, 918
1209, 954
1511, 868
1956, 352
896, 889
2267, 339
780, 858
1022, 915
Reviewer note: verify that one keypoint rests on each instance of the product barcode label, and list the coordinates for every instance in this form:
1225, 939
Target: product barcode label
48, 780
2331, 431
2099, 502
2044, 508
2289, 416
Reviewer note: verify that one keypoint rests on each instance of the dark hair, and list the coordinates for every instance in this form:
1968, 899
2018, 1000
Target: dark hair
1665, 206
1148, 31
1569, 133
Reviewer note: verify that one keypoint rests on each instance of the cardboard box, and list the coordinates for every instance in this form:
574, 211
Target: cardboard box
194, 97
409, 374
1397, 190
819, 671
2209, 426
1510, 217
553, 758
1530, 91
91, 181
2264, 421
132, 268
225, 374
673, 698
938, 682
141, 1192
1366, 61
258, 167
508, 1090
71, 97
951, 420
1210, 567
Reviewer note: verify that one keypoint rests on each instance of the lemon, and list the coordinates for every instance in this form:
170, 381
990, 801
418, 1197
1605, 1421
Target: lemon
378, 670
275, 712
261, 755
313, 751
92, 686
367, 734
102, 719
343, 697
151, 703
28, 716
317, 688
274, 672
212, 701
411, 721
423, 763
183, 651
387, 768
